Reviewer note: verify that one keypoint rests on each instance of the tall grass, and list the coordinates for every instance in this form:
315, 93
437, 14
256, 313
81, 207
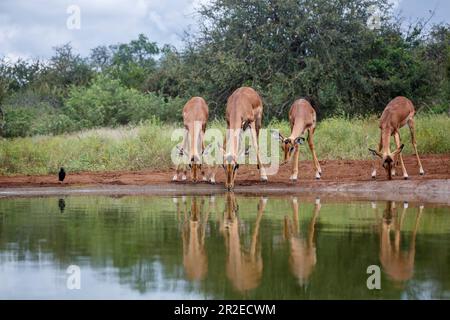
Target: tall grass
148, 146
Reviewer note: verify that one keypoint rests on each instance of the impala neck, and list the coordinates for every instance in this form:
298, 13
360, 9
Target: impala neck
194, 139
385, 140
297, 129
233, 133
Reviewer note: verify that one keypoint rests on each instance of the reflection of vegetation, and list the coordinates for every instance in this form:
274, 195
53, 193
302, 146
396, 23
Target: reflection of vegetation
141, 239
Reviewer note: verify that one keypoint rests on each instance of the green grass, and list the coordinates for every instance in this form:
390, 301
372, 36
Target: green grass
148, 146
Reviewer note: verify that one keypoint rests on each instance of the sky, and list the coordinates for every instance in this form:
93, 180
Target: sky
30, 29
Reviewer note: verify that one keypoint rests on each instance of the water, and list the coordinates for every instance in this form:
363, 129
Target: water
222, 247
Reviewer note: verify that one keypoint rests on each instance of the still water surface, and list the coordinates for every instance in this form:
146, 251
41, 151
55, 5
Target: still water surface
222, 247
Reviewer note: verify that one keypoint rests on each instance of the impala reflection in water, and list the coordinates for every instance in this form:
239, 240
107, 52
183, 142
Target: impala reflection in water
222, 247
397, 263
302, 258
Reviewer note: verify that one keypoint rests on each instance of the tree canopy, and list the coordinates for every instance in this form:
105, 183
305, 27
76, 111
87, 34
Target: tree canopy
326, 51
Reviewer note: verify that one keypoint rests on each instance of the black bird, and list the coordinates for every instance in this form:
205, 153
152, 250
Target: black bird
61, 175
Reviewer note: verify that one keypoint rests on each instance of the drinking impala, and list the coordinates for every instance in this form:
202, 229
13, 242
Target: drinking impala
244, 111
195, 116
302, 118
397, 114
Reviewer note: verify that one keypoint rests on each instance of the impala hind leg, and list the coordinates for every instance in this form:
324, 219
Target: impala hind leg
313, 151
177, 172
202, 167
411, 125
212, 174
262, 171
397, 143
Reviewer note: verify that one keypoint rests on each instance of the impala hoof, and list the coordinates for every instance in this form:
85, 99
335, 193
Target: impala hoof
406, 178
212, 181
183, 178
422, 173
264, 179
175, 178
318, 176
204, 179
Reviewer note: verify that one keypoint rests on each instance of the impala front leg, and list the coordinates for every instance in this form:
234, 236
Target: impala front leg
181, 165
262, 171
294, 175
397, 143
374, 167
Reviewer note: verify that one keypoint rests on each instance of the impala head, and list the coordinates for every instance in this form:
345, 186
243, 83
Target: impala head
231, 166
388, 159
195, 166
195, 161
288, 145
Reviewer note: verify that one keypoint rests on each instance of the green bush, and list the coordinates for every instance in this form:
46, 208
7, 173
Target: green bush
107, 103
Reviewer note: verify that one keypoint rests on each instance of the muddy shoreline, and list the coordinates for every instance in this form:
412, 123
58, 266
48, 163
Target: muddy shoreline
343, 179
428, 191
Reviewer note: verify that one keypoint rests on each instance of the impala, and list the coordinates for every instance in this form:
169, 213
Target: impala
397, 114
244, 267
244, 111
302, 118
302, 258
195, 259
195, 116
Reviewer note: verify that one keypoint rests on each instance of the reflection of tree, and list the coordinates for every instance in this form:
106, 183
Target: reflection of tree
398, 264
302, 259
195, 260
244, 268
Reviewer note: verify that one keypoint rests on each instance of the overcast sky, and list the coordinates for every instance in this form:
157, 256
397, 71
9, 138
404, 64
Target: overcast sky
32, 28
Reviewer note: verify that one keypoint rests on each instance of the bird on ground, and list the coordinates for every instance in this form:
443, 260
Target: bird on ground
61, 175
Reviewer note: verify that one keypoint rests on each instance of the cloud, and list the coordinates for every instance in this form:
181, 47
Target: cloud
31, 29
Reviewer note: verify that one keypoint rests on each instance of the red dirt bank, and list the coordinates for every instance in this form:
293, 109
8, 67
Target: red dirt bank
436, 167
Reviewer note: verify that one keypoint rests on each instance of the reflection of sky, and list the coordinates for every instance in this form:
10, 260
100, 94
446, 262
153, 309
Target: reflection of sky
423, 290
44, 279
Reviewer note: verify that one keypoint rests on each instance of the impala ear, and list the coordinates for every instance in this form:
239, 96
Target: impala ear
245, 125
375, 153
181, 151
299, 140
396, 152
277, 135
